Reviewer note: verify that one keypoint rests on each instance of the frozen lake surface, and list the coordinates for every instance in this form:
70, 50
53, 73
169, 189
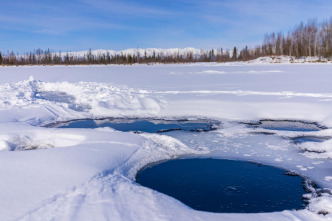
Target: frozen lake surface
277, 115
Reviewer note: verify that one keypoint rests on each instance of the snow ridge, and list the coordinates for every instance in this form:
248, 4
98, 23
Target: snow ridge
88, 98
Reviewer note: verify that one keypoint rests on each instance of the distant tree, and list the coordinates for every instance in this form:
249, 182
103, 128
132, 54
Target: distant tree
129, 59
108, 58
145, 55
211, 55
90, 56
138, 55
234, 57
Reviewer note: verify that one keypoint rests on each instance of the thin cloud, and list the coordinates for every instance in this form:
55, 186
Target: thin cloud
55, 24
132, 8
147, 23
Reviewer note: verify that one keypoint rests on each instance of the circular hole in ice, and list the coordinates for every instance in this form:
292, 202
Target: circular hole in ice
226, 186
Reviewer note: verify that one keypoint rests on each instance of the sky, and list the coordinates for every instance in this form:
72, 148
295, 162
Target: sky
75, 25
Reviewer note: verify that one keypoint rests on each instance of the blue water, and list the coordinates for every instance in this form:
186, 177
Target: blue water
290, 128
150, 126
299, 140
210, 184
224, 185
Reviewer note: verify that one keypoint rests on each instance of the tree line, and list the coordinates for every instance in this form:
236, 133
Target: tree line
310, 39
49, 57
306, 39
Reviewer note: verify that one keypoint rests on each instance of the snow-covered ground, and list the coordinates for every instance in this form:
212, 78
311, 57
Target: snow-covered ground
289, 59
89, 174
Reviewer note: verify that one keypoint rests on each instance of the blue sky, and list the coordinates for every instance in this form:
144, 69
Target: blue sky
72, 25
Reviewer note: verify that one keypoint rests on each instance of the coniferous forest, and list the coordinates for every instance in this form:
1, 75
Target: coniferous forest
305, 39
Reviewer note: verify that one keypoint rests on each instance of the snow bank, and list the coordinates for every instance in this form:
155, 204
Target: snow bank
318, 150
288, 60
78, 100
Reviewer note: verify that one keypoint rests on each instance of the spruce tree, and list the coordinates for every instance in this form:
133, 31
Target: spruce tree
234, 57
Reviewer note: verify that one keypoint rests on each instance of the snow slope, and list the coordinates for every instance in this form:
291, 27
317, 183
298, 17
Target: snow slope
88, 174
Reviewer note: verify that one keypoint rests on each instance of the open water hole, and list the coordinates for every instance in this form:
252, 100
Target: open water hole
142, 125
304, 139
227, 186
213, 185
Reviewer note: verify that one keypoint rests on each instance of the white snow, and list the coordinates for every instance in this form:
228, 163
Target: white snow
89, 174
323, 149
289, 59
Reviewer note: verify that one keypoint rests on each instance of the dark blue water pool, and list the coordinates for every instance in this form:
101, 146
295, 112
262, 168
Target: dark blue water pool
142, 125
299, 140
224, 185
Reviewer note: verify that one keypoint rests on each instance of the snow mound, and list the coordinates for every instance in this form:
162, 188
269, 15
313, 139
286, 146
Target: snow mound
28, 138
321, 150
323, 204
288, 59
95, 99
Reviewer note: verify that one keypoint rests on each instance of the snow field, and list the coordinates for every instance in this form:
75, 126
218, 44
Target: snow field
88, 174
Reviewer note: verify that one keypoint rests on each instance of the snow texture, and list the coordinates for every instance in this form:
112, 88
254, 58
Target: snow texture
89, 174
